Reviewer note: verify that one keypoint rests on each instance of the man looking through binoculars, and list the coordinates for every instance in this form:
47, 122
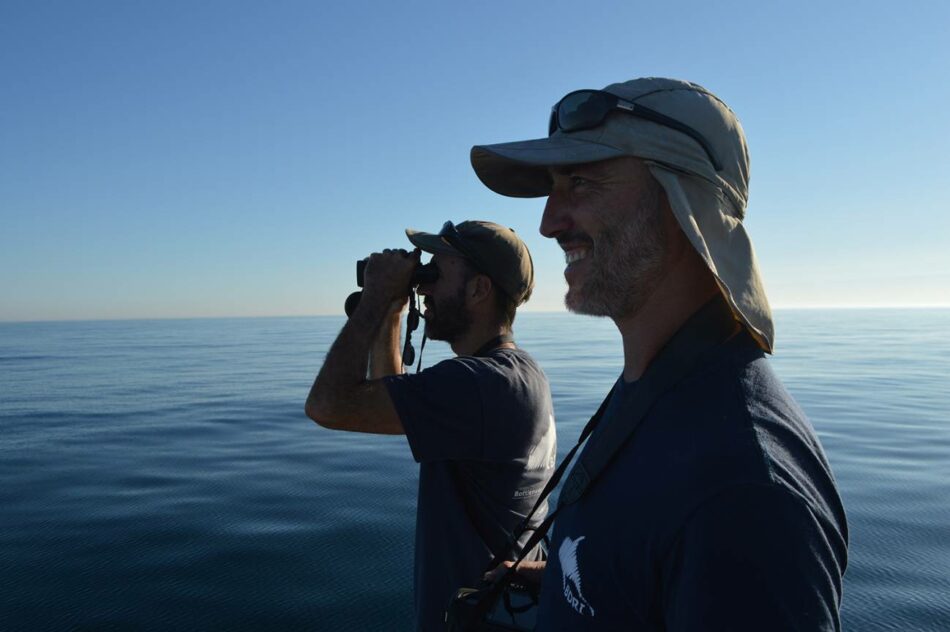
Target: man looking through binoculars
481, 425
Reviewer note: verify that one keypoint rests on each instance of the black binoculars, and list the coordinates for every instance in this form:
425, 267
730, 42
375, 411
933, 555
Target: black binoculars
427, 273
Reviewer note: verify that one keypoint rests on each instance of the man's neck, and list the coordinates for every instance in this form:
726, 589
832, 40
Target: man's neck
678, 296
476, 337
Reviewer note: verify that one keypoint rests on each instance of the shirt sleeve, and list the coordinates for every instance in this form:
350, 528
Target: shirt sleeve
752, 558
440, 410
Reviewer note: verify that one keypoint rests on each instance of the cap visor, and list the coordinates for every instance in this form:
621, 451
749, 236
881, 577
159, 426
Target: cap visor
433, 244
520, 169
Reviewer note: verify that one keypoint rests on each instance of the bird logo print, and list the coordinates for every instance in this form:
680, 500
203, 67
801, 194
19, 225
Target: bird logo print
571, 573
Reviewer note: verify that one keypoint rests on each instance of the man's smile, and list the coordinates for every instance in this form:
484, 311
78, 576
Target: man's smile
576, 248
575, 251
574, 255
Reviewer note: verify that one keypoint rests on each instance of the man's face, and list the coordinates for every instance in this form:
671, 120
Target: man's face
446, 314
609, 219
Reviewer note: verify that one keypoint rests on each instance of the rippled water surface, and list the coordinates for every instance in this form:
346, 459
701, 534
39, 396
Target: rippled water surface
161, 475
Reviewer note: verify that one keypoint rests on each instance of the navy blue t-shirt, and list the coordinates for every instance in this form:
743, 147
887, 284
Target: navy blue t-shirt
719, 513
482, 430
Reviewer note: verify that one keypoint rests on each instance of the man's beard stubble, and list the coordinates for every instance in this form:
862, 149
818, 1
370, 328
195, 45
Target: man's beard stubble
448, 320
626, 262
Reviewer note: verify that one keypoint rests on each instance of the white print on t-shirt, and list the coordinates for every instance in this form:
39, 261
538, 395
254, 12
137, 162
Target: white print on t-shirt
524, 493
571, 573
544, 454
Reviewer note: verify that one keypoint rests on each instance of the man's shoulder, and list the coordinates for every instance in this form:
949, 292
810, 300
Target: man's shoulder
736, 380
501, 370
735, 406
503, 365
732, 425
457, 366
728, 421
511, 355
497, 359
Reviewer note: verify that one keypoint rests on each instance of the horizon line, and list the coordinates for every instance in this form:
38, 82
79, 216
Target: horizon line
4, 321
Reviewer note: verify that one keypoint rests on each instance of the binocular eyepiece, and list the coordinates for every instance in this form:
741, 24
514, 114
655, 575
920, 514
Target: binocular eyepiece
427, 273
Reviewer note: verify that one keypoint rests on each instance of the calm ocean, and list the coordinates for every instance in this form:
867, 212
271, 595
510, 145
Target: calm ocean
161, 475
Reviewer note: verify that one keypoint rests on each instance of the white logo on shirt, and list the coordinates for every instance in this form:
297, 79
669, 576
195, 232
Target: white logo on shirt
524, 493
544, 454
571, 573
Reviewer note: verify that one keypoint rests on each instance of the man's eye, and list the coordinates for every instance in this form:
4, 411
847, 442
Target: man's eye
577, 181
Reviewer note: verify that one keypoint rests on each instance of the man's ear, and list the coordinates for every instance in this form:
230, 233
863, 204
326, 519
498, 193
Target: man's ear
479, 288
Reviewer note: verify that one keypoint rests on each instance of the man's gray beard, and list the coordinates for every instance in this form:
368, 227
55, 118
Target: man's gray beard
625, 265
450, 320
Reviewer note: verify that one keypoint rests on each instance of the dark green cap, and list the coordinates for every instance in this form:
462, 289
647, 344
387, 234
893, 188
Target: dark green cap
492, 248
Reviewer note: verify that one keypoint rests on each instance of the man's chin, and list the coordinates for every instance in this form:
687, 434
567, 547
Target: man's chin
434, 333
579, 302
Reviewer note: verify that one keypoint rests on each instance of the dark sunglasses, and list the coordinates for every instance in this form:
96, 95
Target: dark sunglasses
452, 237
586, 109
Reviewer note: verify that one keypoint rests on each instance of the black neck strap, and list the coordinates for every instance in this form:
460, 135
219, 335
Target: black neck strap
493, 344
422, 348
525, 525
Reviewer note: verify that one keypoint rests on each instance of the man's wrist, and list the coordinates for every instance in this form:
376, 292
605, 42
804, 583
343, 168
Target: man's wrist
371, 311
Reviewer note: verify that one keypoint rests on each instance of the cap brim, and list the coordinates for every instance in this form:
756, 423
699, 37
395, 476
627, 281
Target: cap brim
433, 244
520, 169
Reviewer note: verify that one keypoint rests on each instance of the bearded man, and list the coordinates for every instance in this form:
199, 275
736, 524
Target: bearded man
481, 425
702, 499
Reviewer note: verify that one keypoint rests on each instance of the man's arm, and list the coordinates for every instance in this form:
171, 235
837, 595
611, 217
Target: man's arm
386, 356
341, 397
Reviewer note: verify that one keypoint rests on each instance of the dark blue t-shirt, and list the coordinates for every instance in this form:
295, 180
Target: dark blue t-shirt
482, 429
719, 513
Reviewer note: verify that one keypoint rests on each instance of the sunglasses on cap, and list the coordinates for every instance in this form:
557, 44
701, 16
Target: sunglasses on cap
586, 109
451, 236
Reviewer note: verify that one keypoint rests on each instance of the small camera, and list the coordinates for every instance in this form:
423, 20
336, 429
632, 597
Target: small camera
495, 608
427, 273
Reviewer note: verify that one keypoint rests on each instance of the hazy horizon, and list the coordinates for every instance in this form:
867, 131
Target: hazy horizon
776, 309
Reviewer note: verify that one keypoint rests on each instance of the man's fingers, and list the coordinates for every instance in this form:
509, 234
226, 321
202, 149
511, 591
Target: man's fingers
496, 572
388, 253
530, 572
389, 273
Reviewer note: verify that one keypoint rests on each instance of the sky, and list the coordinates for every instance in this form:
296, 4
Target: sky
198, 159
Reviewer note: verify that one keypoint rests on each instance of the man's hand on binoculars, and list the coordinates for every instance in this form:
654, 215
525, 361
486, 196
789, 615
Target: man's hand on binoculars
388, 275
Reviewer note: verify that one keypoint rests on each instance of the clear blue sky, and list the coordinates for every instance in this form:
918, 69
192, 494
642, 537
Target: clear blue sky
164, 159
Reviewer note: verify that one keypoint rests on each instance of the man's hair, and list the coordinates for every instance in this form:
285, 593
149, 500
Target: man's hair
505, 306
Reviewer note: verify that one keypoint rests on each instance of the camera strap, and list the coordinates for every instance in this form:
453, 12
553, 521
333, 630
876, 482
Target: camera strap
707, 329
422, 347
541, 529
489, 594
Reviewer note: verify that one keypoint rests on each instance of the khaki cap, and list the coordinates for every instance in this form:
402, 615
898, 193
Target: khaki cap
709, 205
493, 249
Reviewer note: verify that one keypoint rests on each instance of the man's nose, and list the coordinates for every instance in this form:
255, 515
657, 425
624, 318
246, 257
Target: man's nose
556, 218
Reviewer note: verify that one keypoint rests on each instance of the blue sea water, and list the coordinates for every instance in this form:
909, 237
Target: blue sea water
161, 475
